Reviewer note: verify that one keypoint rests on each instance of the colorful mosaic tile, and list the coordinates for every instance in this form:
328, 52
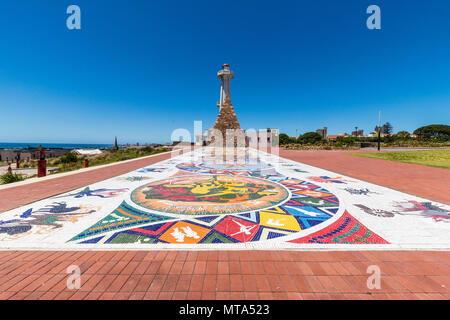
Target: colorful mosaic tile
209, 194
124, 216
187, 203
346, 230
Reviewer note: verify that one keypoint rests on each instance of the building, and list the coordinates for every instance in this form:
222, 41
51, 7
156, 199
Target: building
10, 155
334, 137
87, 152
267, 137
322, 132
358, 133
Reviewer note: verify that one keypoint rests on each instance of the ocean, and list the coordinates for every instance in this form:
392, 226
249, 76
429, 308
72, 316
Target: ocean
19, 145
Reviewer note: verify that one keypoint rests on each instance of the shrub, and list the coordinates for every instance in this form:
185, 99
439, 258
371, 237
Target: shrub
347, 140
439, 132
147, 149
310, 138
402, 135
10, 177
68, 158
284, 138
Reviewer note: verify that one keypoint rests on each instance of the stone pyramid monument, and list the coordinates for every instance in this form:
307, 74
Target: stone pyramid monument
227, 118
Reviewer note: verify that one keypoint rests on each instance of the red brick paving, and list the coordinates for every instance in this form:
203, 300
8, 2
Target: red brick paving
427, 182
283, 275
232, 275
14, 197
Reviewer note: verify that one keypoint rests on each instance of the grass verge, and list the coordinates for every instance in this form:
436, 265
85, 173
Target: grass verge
431, 158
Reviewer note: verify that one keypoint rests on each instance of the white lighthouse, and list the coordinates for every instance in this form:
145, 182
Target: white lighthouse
225, 75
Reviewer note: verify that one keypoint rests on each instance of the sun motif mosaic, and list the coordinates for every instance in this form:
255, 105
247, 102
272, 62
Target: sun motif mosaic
209, 194
306, 205
190, 202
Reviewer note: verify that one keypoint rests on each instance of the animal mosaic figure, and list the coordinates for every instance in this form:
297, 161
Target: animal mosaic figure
157, 170
243, 229
325, 179
375, 212
299, 171
11, 227
132, 179
49, 216
55, 208
426, 209
413, 208
186, 232
364, 192
101, 193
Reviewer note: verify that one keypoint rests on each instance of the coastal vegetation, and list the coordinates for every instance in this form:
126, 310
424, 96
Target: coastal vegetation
10, 177
432, 136
432, 158
73, 161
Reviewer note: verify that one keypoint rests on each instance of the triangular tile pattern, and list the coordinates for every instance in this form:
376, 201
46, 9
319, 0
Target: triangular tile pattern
345, 230
124, 216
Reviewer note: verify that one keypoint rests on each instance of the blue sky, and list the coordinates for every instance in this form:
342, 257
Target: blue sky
140, 69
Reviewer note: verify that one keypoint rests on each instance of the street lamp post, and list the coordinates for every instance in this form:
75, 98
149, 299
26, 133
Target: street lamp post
379, 130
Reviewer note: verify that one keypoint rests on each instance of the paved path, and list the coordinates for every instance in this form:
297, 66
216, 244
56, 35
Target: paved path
227, 275
241, 274
24, 194
196, 201
427, 182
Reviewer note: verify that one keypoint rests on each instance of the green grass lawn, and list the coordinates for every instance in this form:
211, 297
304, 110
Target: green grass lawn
432, 158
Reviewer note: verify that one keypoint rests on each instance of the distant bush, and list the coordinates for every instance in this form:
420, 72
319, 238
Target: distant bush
438, 132
10, 178
350, 140
284, 138
310, 138
69, 158
147, 149
402, 135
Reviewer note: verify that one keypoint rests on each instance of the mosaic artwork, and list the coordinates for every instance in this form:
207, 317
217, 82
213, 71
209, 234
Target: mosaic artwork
101, 193
258, 200
309, 205
362, 192
247, 166
44, 220
414, 208
132, 178
325, 179
209, 194
374, 211
345, 230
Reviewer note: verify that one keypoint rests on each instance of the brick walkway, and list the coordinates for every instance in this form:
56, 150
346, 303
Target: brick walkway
232, 274
224, 275
427, 182
14, 197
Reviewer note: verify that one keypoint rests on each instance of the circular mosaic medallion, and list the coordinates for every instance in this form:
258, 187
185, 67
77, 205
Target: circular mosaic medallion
209, 194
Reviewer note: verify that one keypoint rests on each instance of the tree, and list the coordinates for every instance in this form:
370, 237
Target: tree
403, 134
68, 158
377, 129
387, 128
284, 138
310, 138
435, 131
